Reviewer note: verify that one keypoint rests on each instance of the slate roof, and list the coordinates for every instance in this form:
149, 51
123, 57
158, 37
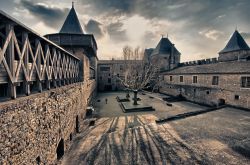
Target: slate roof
164, 47
216, 68
236, 42
72, 24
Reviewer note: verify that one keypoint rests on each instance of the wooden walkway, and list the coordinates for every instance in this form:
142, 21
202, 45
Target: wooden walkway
29, 62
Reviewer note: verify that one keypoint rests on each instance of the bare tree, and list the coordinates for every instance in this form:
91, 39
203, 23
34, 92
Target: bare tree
137, 73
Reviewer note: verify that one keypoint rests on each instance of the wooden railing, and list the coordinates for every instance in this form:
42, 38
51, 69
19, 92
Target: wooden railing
27, 59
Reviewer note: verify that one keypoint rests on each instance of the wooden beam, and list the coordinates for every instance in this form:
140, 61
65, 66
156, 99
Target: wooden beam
38, 64
10, 57
26, 84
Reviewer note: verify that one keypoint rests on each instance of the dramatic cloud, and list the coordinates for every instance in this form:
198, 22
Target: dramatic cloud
94, 27
211, 34
52, 16
198, 28
149, 38
116, 32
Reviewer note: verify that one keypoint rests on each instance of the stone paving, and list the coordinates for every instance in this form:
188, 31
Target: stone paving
134, 138
112, 109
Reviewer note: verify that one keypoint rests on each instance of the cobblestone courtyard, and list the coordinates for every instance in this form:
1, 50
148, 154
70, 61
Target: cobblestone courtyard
218, 137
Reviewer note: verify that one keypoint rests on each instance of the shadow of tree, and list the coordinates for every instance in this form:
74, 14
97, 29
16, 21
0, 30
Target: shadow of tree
143, 144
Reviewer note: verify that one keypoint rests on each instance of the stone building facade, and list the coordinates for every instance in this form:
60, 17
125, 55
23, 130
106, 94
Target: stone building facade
212, 81
165, 56
108, 71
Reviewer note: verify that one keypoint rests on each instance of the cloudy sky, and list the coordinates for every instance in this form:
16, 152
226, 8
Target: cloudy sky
198, 28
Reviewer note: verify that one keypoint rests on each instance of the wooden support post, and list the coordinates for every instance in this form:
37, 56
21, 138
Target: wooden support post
38, 63
10, 57
48, 84
54, 84
26, 84
60, 83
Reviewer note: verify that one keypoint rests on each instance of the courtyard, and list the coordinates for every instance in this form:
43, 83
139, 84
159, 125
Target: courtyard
218, 137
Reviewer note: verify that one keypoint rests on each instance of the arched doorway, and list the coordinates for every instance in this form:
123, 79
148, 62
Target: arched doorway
38, 160
77, 124
248, 58
222, 102
60, 149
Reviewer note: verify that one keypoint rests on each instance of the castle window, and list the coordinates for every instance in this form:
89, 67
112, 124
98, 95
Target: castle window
236, 97
170, 78
215, 80
181, 78
245, 82
121, 68
195, 79
208, 92
104, 68
109, 80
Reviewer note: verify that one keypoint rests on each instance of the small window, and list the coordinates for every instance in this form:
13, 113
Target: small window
208, 92
109, 74
195, 79
245, 82
100, 77
70, 137
104, 68
118, 75
215, 80
171, 78
181, 78
109, 80
236, 97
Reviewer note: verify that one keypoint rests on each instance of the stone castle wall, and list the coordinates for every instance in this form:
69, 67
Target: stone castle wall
31, 127
235, 55
204, 92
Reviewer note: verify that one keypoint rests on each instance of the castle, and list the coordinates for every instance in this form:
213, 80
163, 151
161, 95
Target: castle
51, 84
59, 74
215, 81
225, 80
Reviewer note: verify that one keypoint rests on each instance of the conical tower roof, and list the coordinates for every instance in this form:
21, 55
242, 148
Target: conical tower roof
235, 43
164, 47
72, 24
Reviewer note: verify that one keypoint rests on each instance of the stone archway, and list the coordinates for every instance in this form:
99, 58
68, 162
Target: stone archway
222, 102
60, 149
